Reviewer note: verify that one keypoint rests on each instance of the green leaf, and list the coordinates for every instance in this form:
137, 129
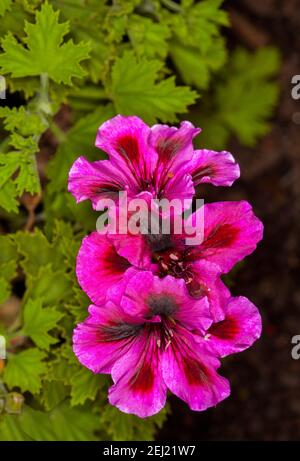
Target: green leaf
53, 392
135, 90
79, 304
244, 99
199, 24
8, 197
197, 48
148, 38
87, 24
18, 169
38, 321
8, 266
24, 370
22, 120
61, 370
37, 252
4, 6
69, 243
51, 286
85, 386
4, 290
194, 66
122, 426
61, 424
45, 51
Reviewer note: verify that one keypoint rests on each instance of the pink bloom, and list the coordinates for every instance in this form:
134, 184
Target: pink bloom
231, 232
160, 161
158, 338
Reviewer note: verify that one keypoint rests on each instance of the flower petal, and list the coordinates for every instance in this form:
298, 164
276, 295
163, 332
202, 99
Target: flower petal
217, 168
189, 371
139, 388
103, 337
180, 189
148, 297
173, 145
99, 267
231, 232
239, 329
208, 277
125, 140
132, 247
136, 293
174, 148
98, 180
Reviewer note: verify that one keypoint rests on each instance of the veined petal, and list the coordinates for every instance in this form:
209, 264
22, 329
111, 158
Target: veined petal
217, 168
104, 337
179, 189
132, 247
231, 232
174, 146
125, 140
189, 371
99, 267
150, 298
139, 388
210, 285
98, 180
239, 329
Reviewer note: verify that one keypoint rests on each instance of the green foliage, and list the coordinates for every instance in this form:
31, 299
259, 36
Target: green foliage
245, 100
121, 426
63, 423
4, 6
8, 266
18, 169
38, 321
135, 90
24, 370
197, 48
69, 66
45, 51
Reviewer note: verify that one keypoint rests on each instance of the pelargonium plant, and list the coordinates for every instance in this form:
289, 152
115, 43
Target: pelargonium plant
161, 317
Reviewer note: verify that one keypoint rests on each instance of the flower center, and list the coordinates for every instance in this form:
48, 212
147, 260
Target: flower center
175, 263
162, 332
162, 304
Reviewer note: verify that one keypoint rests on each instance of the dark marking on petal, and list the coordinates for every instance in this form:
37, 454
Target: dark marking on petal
221, 236
227, 329
118, 331
162, 304
143, 379
113, 263
158, 242
168, 147
203, 171
128, 147
196, 373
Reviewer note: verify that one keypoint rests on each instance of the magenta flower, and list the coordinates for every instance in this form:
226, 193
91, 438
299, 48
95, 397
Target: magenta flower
231, 232
159, 161
162, 316
157, 338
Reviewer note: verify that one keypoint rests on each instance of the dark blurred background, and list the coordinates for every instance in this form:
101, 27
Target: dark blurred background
265, 398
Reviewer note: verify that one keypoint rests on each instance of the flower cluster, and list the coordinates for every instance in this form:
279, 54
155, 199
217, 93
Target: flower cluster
161, 316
